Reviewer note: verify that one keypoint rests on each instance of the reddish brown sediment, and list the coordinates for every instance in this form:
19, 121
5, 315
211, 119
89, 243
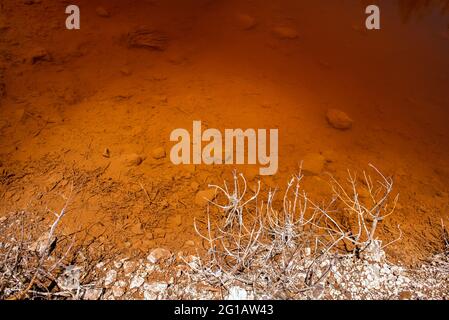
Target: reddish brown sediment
68, 96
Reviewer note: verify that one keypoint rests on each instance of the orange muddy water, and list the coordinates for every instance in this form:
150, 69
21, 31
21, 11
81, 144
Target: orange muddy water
90, 108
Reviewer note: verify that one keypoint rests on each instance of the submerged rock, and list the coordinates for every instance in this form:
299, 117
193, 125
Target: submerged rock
245, 21
102, 12
338, 119
283, 32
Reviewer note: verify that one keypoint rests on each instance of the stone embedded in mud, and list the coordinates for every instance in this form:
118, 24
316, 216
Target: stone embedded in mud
131, 160
158, 153
106, 153
203, 197
283, 32
338, 119
245, 21
38, 55
102, 12
159, 255
125, 71
313, 164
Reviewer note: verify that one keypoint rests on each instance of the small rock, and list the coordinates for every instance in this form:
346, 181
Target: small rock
283, 32
106, 153
318, 291
245, 21
313, 164
125, 72
136, 282
93, 294
158, 255
237, 293
152, 291
118, 291
111, 276
38, 55
131, 160
158, 153
129, 267
70, 279
40, 245
102, 12
338, 119
203, 197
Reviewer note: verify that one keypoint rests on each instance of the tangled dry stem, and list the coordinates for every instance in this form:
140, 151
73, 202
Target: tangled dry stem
29, 266
284, 249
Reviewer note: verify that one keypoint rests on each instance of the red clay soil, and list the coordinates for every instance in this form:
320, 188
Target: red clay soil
88, 107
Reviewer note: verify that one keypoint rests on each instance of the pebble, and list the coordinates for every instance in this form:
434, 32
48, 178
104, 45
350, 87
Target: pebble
158, 153
129, 267
102, 12
93, 294
203, 197
136, 282
338, 119
118, 291
158, 255
283, 32
245, 21
111, 276
132, 160
237, 293
38, 54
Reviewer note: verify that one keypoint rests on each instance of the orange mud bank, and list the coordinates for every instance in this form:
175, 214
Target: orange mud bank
94, 108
